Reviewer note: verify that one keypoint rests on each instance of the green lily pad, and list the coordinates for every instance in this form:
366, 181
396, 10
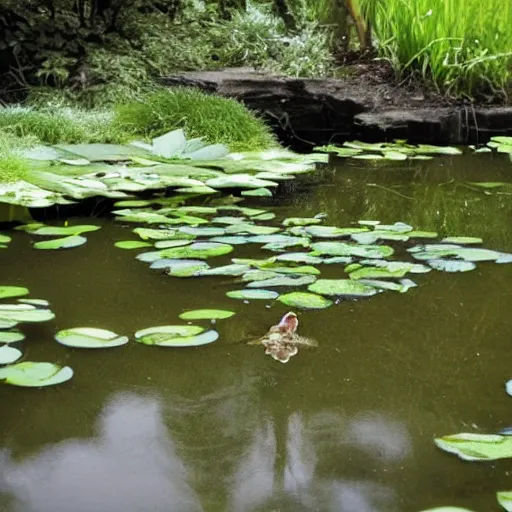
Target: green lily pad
283, 281
477, 447
202, 231
332, 231
301, 221
346, 249
373, 236
7, 324
264, 216
62, 230
251, 229
427, 149
207, 314
462, 240
7, 292
377, 273
402, 287
258, 275
167, 244
283, 240
90, 337
198, 250
487, 185
67, 242
226, 270
257, 192
229, 220
505, 500
132, 244
305, 300
341, 287
448, 509
437, 251
452, 265
239, 181
340, 152
31, 374
299, 257
9, 355
4, 239
422, 234
232, 240
504, 258
129, 203
11, 336
26, 314
176, 336
249, 294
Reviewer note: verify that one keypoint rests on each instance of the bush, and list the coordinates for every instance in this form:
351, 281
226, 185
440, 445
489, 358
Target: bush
217, 119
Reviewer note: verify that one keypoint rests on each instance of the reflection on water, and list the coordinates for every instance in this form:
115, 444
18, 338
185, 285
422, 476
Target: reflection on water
345, 427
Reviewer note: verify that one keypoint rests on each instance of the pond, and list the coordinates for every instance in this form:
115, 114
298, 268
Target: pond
346, 426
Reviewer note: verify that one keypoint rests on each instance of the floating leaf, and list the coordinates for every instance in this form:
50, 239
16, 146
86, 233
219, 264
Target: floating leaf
283, 281
229, 220
4, 239
62, 230
264, 216
462, 240
7, 292
90, 337
257, 192
31, 374
402, 287
239, 181
452, 265
232, 240
448, 509
305, 300
226, 270
332, 231
249, 294
258, 275
377, 273
504, 258
206, 314
476, 447
6, 323
438, 251
341, 287
199, 250
132, 244
487, 185
346, 249
26, 314
9, 355
301, 221
505, 500
176, 336
251, 229
167, 244
422, 234
67, 242
11, 336
202, 231
299, 257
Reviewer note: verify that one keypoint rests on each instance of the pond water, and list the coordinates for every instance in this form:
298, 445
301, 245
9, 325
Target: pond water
347, 426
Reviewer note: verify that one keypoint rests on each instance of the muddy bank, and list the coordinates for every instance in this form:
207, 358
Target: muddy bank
305, 112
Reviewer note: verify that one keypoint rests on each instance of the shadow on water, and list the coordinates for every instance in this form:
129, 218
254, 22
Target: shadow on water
346, 427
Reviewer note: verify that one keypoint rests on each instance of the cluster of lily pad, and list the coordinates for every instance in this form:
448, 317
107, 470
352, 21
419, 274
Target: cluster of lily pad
396, 151
69, 236
64, 173
499, 143
26, 373
185, 237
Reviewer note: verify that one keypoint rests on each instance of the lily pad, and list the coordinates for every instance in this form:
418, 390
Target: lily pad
448, 509
9, 355
377, 273
176, 336
90, 337
231, 240
167, 244
477, 447
239, 181
452, 265
346, 249
27, 314
207, 314
305, 300
198, 250
7, 324
462, 240
226, 270
4, 239
438, 251
31, 374
257, 192
251, 229
132, 244
283, 281
258, 275
67, 242
62, 230
202, 231
341, 287
299, 257
252, 294
505, 500
301, 221
7, 292
332, 231
11, 336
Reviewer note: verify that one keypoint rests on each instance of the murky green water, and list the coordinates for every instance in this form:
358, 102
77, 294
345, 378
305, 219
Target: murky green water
346, 427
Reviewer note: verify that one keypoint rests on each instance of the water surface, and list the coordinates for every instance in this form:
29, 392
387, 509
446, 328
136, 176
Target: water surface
348, 426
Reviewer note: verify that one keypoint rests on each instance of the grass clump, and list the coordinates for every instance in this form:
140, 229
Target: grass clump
217, 119
13, 166
464, 49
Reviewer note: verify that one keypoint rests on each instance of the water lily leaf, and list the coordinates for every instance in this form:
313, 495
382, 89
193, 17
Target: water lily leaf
202, 231
210, 152
283, 281
502, 139
131, 244
90, 337
62, 230
182, 267
422, 234
4, 239
149, 257
35, 302
402, 287
226, 270
7, 323
175, 336
427, 149
341, 152
377, 273
9, 355
487, 184
346, 249
156, 234
27, 313
7, 292
31, 374
302, 269
67, 242
477, 447
373, 236
198, 189
257, 192
198, 250
332, 231
250, 229
504, 258
448, 509
239, 181
394, 155
264, 216
301, 221
305, 300
397, 227
232, 240
229, 220
462, 240
505, 500
343, 260
198, 210
103, 152
451, 265
434, 252
249, 294
258, 275
369, 156
167, 244
11, 336
341, 287
274, 176
207, 314
299, 257
368, 222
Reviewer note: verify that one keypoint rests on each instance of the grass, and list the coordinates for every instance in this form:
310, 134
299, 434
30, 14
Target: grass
463, 48
217, 119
